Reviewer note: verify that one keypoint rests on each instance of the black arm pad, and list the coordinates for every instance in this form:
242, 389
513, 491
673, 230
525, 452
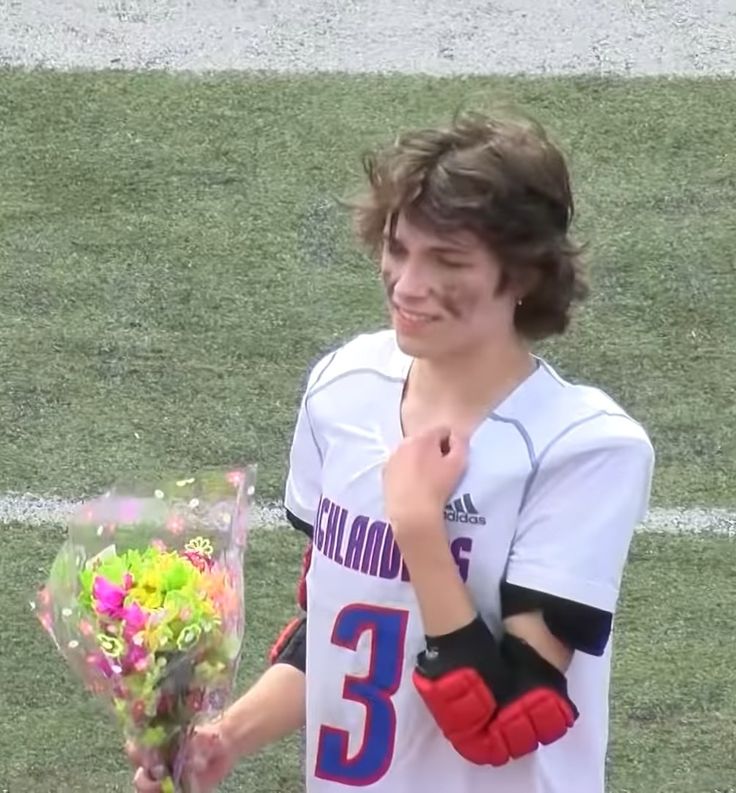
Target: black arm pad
291, 646
579, 626
299, 524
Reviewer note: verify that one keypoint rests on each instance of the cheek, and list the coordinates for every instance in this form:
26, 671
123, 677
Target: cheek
472, 299
389, 278
460, 301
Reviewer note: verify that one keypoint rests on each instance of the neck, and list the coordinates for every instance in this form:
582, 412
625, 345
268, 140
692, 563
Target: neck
478, 378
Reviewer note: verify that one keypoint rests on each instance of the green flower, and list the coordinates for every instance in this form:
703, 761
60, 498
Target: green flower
111, 645
189, 637
153, 737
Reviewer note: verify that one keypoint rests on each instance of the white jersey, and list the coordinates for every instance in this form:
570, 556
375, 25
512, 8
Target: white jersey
558, 478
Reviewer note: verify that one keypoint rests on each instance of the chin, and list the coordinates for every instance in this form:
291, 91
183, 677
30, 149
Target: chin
414, 346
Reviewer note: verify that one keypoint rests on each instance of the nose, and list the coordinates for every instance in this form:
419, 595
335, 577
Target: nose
413, 282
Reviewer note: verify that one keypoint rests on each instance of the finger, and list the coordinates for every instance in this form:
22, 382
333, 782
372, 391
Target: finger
159, 772
448, 441
457, 442
434, 438
457, 448
144, 783
195, 767
439, 432
134, 754
459, 439
198, 757
142, 758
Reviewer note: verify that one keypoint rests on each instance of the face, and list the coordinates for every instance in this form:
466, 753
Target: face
443, 292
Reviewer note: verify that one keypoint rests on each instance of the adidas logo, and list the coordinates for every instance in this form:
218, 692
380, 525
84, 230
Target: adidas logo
462, 510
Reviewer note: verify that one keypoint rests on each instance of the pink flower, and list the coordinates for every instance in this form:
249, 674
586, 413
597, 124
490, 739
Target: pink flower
109, 597
136, 658
120, 691
202, 563
195, 700
175, 524
235, 478
129, 509
100, 662
135, 620
165, 705
139, 711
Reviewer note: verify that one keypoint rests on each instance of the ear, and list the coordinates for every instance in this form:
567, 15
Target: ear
516, 281
525, 284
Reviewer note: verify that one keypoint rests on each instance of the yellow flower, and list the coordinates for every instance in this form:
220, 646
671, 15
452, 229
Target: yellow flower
156, 636
148, 599
151, 579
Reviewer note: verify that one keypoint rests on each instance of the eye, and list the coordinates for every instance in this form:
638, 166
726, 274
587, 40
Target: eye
394, 248
452, 264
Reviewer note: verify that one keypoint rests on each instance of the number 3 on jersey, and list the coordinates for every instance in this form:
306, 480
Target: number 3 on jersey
374, 691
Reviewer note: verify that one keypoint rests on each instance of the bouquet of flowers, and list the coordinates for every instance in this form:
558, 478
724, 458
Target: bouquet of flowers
145, 602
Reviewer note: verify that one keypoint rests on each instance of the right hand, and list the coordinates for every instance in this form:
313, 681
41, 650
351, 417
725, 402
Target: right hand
210, 759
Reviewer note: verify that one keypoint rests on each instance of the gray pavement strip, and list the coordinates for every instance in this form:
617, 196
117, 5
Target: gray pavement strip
440, 37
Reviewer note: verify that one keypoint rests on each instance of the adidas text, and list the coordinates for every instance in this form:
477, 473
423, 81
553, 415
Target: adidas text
462, 517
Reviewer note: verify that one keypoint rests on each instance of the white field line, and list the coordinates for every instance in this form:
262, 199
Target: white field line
42, 511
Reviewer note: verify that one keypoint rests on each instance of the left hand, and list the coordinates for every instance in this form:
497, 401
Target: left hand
419, 478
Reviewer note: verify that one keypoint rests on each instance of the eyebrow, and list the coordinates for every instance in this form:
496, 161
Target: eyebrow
457, 248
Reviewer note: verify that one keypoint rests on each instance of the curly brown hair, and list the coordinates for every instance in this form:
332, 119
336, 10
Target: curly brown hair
499, 177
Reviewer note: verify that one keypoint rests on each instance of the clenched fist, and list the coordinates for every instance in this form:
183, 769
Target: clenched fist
419, 478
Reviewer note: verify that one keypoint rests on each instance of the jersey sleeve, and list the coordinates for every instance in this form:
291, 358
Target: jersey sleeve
304, 479
589, 491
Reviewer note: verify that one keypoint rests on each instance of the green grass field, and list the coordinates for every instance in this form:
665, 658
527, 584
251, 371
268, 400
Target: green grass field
172, 259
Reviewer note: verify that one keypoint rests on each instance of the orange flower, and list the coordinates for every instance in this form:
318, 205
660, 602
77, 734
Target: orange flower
219, 587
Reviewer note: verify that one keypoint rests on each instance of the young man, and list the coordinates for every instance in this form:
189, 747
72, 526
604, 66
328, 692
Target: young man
470, 512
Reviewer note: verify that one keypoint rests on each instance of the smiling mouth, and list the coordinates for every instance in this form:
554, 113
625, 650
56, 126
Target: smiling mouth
412, 319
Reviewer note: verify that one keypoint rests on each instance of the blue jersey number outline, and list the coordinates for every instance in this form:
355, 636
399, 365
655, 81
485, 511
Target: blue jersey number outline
374, 691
